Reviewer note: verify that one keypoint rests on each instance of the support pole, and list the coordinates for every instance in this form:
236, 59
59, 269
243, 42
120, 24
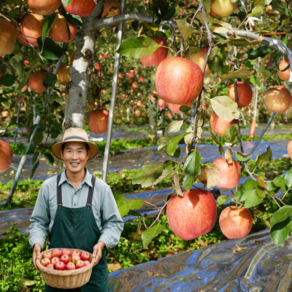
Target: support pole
17, 121
113, 97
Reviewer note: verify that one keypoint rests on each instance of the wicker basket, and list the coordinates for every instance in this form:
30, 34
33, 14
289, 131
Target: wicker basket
67, 279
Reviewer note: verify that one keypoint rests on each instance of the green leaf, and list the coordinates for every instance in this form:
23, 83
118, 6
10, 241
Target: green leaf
225, 108
222, 199
51, 50
151, 233
261, 52
7, 80
172, 144
148, 175
280, 231
137, 47
242, 156
216, 140
191, 169
184, 108
66, 2
243, 73
185, 29
177, 184
231, 132
34, 158
12, 126
281, 215
279, 181
174, 126
257, 9
26, 282
49, 80
49, 159
125, 205
271, 187
17, 64
264, 158
288, 178
247, 192
73, 19
49, 21
27, 150
166, 173
35, 166
24, 80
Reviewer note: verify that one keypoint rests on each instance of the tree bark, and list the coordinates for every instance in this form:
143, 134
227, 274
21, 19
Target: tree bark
80, 71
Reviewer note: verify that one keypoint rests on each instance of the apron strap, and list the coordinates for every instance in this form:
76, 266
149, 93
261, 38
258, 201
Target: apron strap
59, 191
90, 191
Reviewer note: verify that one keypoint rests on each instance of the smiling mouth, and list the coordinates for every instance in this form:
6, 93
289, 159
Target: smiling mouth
74, 163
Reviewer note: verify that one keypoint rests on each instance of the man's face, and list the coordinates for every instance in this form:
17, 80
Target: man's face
74, 156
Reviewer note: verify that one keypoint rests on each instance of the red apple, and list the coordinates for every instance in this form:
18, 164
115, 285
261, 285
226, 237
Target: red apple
47, 255
98, 121
51, 266
45, 262
76, 252
135, 84
65, 259
36, 81
277, 99
80, 264
199, 58
6, 155
289, 149
98, 66
235, 222
131, 73
55, 260
169, 115
59, 30
66, 251
244, 93
80, 7
219, 125
31, 27
44, 7
178, 81
56, 253
229, 173
72, 56
7, 37
21, 99
62, 74
283, 65
75, 258
85, 256
60, 266
193, 215
157, 56
5, 114
137, 113
161, 103
25, 87
70, 266
87, 263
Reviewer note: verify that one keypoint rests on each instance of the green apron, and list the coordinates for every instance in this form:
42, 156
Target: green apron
76, 228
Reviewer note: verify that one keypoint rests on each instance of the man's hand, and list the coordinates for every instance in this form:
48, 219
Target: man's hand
36, 254
97, 252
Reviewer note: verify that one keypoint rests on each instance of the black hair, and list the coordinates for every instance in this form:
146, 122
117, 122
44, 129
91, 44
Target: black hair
63, 147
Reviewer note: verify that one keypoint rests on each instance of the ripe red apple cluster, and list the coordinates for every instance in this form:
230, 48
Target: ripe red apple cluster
65, 260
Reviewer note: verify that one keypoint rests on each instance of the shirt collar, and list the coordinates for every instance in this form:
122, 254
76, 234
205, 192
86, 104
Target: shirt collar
87, 178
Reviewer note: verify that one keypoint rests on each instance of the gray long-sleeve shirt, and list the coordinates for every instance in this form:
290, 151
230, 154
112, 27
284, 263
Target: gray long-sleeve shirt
109, 222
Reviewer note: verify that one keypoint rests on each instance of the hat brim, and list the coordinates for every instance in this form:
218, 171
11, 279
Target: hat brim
93, 149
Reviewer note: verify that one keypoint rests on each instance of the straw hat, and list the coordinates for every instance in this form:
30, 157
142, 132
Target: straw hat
75, 135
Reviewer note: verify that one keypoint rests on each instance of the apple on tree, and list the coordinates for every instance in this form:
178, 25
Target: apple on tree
8, 35
193, 215
36, 81
199, 58
98, 121
81, 8
6, 155
219, 125
59, 30
277, 99
222, 8
284, 75
235, 222
44, 7
244, 93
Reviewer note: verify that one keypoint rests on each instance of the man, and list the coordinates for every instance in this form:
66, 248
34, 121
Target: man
77, 209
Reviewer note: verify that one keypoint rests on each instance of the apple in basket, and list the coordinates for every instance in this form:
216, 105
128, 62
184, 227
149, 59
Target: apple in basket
66, 251
70, 266
80, 264
65, 259
51, 266
60, 266
87, 263
56, 253
47, 255
85, 256
45, 262
76, 252
55, 261
75, 258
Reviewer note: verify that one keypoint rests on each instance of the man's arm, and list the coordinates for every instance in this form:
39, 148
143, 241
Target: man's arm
40, 219
113, 224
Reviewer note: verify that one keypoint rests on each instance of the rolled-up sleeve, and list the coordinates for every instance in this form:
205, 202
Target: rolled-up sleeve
113, 223
40, 219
